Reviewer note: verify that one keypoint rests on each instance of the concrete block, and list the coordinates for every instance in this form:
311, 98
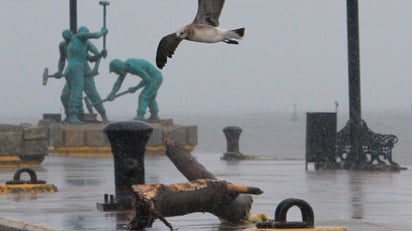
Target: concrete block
46, 122
191, 132
9, 128
94, 136
11, 143
156, 138
35, 147
162, 122
74, 135
56, 135
175, 133
57, 117
35, 133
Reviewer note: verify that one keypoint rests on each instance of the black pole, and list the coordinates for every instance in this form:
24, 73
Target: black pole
355, 157
73, 16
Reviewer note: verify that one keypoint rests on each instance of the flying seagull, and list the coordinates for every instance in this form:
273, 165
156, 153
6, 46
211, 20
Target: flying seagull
204, 28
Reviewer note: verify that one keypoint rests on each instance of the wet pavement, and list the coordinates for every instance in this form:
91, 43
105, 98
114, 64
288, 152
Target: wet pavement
356, 200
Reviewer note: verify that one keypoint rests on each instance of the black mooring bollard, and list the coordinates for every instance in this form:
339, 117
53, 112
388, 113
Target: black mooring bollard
232, 134
128, 141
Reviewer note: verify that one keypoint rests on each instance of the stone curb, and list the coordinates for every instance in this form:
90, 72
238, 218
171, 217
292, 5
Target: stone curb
9, 225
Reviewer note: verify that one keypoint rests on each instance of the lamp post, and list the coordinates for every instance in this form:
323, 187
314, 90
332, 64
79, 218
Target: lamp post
355, 158
73, 16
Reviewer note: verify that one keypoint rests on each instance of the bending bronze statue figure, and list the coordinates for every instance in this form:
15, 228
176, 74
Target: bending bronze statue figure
151, 80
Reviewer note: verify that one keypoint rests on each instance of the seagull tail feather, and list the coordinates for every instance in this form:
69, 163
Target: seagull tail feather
237, 33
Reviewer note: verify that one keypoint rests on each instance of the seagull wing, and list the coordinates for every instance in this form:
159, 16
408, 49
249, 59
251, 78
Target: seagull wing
166, 48
208, 12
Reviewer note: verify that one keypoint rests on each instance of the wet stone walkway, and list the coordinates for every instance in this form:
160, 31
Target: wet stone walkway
355, 200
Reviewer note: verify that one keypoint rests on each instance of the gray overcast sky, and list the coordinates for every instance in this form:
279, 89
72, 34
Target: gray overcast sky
294, 52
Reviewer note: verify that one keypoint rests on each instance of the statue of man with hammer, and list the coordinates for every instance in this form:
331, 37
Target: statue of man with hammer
77, 56
89, 84
151, 80
77, 70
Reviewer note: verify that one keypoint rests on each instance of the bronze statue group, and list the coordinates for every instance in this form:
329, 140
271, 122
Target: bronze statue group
80, 53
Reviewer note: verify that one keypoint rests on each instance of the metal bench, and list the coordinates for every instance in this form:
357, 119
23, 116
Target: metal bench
376, 147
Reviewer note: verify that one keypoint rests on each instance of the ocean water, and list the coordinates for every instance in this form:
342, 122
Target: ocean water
275, 134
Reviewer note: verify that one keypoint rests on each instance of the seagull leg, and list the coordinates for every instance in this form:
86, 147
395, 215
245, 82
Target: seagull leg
228, 41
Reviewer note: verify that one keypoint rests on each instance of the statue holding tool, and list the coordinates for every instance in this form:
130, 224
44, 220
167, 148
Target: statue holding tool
151, 80
151, 77
77, 70
78, 50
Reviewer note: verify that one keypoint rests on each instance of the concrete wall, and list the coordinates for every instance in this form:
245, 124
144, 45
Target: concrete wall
23, 140
92, 135
28, 141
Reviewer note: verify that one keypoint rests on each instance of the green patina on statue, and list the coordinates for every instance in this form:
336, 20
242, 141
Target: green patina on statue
89, 84
151, 80
79, 52
79, 76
